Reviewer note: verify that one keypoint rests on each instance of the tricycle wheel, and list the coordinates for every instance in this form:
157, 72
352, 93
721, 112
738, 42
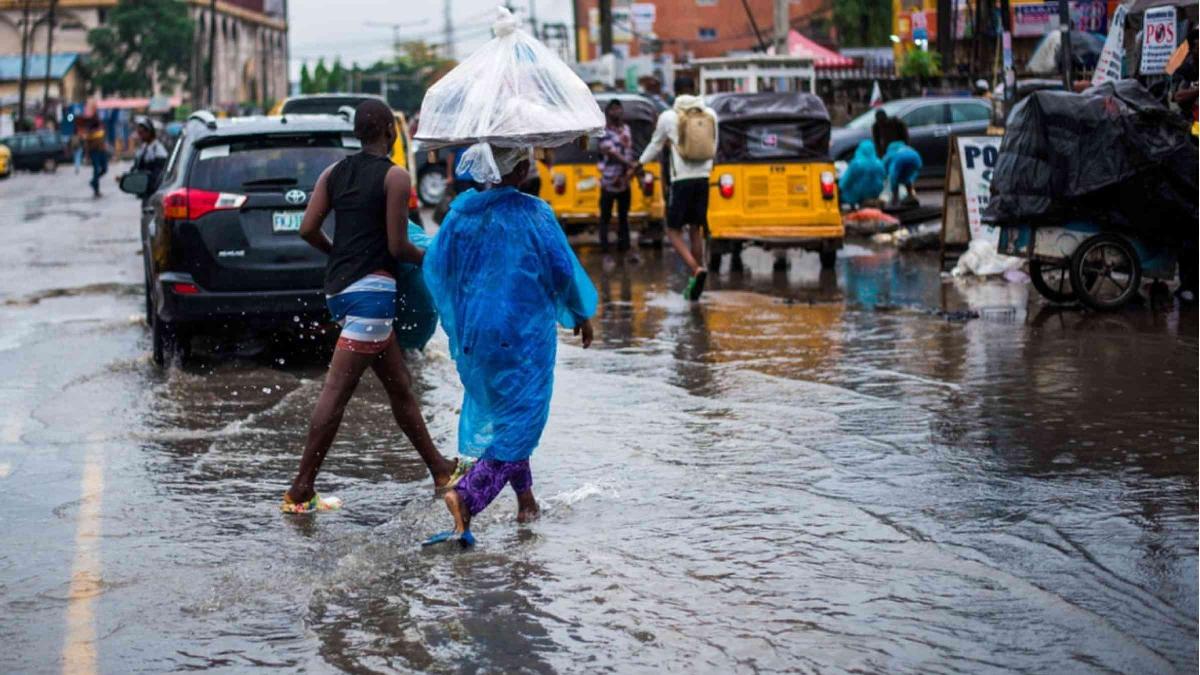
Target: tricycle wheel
1105, 272
1053, 280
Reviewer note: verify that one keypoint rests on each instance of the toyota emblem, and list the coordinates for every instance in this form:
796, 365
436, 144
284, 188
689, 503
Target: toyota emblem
295, 196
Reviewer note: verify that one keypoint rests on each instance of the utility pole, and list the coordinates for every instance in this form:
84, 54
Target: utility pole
25, 37
945, 34
49, 53
606, 40
781, 26
448, 30
1064, 47
212, 50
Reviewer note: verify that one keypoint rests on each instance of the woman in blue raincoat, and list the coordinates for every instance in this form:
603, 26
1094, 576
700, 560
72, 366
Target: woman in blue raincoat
502, 275
902, 163
863, 177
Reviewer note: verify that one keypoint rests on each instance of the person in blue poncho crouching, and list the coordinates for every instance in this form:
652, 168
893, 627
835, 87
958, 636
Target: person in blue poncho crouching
863, 177
501, 275
902, 164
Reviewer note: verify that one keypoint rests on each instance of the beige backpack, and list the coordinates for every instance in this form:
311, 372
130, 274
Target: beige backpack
697, 135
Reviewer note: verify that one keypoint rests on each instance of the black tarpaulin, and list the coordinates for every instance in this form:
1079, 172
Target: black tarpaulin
771, 127
1112, 154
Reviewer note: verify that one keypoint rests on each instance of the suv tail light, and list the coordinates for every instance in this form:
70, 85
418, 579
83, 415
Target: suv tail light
191, 203
725, 185
827, 184
560, 184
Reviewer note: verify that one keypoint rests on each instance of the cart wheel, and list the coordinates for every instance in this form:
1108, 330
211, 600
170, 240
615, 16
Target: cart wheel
1105, 272
1053, 280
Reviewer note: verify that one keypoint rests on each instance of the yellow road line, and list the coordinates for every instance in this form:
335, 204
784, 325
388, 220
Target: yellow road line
79, 648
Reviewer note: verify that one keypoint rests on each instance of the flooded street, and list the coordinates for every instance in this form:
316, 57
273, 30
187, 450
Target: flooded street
813, 472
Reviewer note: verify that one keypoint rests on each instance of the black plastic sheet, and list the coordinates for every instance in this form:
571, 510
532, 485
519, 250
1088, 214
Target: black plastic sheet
1113, 155
771, 127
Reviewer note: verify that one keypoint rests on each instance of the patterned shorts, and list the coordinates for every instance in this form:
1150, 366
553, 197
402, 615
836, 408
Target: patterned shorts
487, 478
365, 311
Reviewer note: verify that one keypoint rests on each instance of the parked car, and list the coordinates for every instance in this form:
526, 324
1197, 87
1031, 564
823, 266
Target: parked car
5, 161
220, 234
36, 150
931, 123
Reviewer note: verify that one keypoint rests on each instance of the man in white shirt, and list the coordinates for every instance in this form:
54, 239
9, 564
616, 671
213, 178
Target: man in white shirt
688, 204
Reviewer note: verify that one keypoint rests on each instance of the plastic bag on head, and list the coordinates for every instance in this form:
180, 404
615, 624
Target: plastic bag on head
512, 92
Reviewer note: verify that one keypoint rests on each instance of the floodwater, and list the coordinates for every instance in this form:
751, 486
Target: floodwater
838, 472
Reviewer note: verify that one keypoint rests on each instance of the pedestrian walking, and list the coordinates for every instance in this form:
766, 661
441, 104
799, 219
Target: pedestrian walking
691, 128
96, 145
616, 168
369, 197
76, 143
502, 275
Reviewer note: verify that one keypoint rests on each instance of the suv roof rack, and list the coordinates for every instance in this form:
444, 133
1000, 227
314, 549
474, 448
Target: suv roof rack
204, 117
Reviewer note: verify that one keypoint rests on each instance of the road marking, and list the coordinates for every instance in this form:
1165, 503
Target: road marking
79, 649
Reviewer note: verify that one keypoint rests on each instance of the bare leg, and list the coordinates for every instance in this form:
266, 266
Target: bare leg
676, 239
697, 236
462, 518
390, 369
527, 507
345, 370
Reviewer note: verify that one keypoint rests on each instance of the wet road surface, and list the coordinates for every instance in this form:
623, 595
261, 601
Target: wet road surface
816, 472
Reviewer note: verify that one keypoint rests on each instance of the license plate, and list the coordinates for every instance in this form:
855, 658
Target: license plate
286, 221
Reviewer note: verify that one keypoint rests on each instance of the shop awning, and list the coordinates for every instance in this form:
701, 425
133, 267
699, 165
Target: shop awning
798, 45
122, 103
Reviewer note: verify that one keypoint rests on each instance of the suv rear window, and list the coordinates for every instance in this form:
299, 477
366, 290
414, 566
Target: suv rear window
323, 105
271, 161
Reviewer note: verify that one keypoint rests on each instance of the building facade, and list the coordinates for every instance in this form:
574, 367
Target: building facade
687, 29
247, 41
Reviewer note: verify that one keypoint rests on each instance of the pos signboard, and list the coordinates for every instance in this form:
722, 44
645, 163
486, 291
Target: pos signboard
1158, 40
968, 188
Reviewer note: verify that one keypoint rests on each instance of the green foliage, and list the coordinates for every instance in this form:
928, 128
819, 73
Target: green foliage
922, 64
320, 77
142, 40
863, 23
338, 78
306, 81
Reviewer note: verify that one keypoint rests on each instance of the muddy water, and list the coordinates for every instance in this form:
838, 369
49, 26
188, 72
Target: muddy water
804, 472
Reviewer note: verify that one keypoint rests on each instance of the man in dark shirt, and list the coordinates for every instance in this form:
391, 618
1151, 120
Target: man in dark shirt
887, 130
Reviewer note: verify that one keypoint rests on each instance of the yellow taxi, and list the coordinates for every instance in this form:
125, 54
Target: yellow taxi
5, 161
570, 180
773, 182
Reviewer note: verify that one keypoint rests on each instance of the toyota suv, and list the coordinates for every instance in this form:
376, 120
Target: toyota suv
220, 235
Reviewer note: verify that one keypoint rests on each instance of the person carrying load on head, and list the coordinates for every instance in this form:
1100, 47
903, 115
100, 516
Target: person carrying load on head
691, 128
863, 178
499, 269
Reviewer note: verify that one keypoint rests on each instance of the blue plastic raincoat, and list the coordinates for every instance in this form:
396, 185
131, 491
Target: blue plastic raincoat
902, 163
863, 177
501, 274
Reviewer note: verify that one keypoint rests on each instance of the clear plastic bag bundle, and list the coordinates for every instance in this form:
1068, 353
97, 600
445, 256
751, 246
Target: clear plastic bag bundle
513, 92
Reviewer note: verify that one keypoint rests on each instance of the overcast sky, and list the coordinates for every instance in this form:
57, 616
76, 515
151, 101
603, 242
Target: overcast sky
360, 30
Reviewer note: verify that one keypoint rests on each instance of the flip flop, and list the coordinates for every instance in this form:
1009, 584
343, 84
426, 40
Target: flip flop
461, 466
695, 286
317, 503
465, 539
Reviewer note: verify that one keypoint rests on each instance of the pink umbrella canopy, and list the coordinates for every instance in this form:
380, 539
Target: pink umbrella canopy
798, 45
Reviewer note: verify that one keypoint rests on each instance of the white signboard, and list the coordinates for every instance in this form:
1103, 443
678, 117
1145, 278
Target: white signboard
1158, 40
1108, 68
977, 157
642, 15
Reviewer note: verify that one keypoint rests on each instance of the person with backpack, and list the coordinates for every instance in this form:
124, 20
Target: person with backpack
691, 127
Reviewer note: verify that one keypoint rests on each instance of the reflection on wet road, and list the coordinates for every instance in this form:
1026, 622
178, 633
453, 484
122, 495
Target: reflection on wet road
805, 472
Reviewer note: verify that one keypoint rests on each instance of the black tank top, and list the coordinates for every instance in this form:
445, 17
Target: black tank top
360, 244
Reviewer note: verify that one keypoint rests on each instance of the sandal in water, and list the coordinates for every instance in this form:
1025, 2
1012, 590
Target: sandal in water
464, 539
317, 503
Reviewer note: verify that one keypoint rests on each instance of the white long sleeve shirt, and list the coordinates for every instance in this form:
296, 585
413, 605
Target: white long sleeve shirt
667, 129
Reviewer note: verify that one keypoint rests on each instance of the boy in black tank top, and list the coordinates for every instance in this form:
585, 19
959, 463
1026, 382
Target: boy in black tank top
370, 197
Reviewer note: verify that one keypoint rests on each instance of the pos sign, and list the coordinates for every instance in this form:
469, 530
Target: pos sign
1158, 40
977, 156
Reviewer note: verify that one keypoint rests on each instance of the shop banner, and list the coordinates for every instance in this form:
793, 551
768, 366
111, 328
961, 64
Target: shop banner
977, 157
1108, 68
1158, 40
1037, 19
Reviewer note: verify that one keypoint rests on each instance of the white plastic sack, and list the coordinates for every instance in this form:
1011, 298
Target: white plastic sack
982, 260
513, 92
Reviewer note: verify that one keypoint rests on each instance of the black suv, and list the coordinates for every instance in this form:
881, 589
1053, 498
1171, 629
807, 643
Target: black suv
220, 234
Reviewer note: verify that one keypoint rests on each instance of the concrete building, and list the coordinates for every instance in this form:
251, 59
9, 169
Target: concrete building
247, 38
694, 28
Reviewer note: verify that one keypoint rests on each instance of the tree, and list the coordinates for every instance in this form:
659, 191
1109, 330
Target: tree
337, 77
921, 64
863, 23
320, 77
306, 81
143, 42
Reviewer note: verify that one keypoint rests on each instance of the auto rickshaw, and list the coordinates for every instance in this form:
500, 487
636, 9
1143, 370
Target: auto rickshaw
570, 180
773, 182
